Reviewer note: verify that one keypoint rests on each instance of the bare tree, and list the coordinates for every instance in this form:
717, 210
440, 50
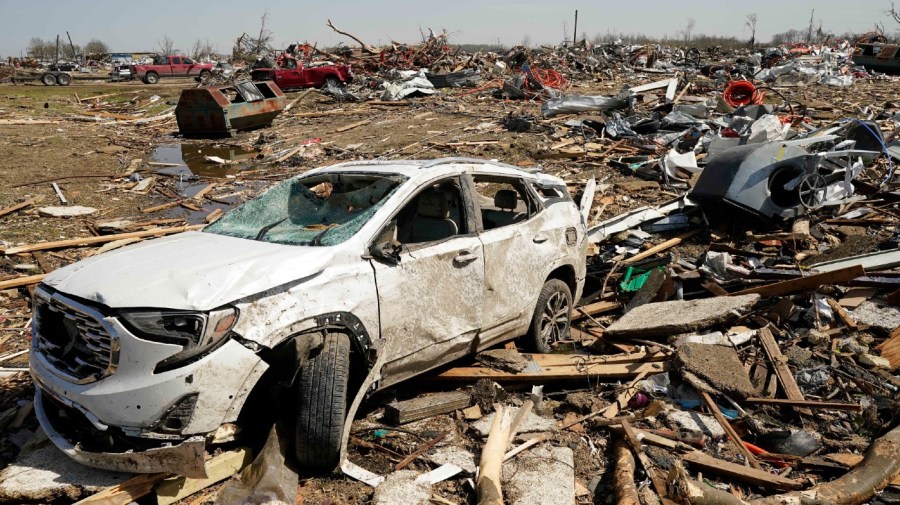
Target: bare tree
95, 46
36, 48
526, 40
894, 14
166, 46
688, 30
249, 46
751, 25
202, 49
809, 32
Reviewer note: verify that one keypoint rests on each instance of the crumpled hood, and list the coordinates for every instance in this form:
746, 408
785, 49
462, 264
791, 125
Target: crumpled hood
187, 271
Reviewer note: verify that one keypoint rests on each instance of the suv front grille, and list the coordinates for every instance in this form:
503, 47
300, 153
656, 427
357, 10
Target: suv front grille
73, 338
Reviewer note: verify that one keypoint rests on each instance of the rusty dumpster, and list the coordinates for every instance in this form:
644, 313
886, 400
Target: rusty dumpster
220, 111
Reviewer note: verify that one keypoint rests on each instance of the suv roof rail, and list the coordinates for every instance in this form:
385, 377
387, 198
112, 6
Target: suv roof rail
356, 163
463, 159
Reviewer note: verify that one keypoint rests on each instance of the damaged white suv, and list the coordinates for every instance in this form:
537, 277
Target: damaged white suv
333, 284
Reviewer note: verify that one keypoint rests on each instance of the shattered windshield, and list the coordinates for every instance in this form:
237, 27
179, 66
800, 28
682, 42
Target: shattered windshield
321, 210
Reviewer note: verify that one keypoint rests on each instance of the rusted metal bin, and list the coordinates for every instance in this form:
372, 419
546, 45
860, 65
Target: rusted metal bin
219, 111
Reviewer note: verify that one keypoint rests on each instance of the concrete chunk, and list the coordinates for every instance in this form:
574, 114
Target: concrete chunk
878, 315
542, 476
717, 365
663, 319
48, 475
402, 487
67, 211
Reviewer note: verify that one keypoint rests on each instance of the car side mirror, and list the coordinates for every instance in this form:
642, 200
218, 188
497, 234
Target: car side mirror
385, 246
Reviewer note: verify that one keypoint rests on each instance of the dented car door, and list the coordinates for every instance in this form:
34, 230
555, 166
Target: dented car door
430, 301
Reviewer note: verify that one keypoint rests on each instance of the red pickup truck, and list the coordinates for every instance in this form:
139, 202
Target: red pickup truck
170, 66
291, 73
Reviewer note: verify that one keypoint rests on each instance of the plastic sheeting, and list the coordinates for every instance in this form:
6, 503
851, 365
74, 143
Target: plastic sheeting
417, 83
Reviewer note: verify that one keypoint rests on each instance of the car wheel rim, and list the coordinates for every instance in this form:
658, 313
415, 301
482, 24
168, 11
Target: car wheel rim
554, 318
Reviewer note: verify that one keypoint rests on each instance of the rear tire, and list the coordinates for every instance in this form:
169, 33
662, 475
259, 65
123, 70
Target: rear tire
151, 78
63, 79
204, 76
48, 79
322, 405
552, 317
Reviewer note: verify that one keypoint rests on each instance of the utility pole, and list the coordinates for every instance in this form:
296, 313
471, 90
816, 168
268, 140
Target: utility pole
575, 31
57, 48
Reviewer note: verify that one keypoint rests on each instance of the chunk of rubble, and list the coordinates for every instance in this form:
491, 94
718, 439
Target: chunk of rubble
47, 475
452, 455
717, 365
663, 319
878, 315
66, 211
694, 422
532, 423
543, 476
402, 487
507, 360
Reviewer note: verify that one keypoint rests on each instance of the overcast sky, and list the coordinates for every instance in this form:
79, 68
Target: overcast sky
137, 26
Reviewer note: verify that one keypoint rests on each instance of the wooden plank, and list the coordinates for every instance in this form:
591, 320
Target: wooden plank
218, 469
732, 435
601, 371
59, 244
213, 216
206, 189
668, 244
742, 473
779, 361
844, 316
426, 406
167, 205
351, 126
806, 283
659, 484
566, 360
852, 407
890, 349
21, 281
126, 492
16, 207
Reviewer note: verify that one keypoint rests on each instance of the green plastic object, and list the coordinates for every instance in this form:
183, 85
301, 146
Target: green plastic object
631, 284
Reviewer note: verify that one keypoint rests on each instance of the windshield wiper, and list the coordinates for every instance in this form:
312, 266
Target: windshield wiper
317, 240
265, 229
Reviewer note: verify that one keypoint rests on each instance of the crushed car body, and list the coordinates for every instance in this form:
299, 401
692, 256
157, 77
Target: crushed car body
143, 355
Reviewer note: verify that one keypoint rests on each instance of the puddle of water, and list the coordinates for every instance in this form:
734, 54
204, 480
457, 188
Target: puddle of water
190, 159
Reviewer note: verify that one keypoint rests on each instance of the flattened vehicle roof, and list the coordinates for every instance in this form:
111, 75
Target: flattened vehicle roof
415, 169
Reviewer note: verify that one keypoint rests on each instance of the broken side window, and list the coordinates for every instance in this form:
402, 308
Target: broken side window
320, 210
503, 201
436, 213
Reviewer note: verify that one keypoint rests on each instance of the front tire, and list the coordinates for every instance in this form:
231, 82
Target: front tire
331, 82
48, 79
151, 78
322, 405
552, 317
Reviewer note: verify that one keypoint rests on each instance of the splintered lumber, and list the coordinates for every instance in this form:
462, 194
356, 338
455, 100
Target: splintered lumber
420, 451
206, 189
352, 125
16, 207
806, 283
668, 244
753, 476
852, 407
126, 492
218, 468
785, 377
426, 406
624, 397
102, 239
623, 478
844, 316
890, 349
487, 487
593, 309
21, 281
631, 437
735, 439
568, 372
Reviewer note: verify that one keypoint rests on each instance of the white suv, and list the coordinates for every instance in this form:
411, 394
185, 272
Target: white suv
333, 284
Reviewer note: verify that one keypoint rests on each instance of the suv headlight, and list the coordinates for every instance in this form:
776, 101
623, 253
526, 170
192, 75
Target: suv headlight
196, 332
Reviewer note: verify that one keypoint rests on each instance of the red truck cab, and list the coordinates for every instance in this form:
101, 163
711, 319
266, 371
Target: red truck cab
170, 66
291, 73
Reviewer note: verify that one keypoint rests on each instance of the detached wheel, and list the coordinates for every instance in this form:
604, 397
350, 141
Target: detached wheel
151, 78
64, 79
322, 405
552, 317
48, 79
